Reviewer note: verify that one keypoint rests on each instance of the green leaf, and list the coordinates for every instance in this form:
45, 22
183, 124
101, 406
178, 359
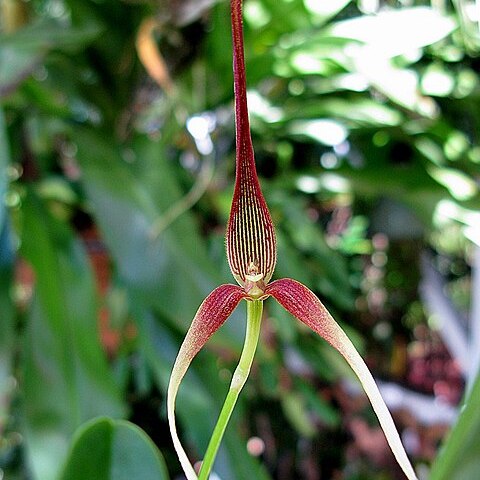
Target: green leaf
409, 184
7, 331
4, 162
323, 408
385, 32
66, 379
295, 410
47, 34
376, 41
106, 449
23, 51
459, 458
16, 64
356, 111
7, 339
324, 11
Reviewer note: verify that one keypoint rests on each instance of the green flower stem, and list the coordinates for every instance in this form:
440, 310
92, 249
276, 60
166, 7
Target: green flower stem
254, 319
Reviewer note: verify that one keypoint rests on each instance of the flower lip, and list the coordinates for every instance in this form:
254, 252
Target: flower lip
253, 275
254, 284
254, 278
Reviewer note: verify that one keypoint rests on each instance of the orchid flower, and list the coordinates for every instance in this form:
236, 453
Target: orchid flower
251, 253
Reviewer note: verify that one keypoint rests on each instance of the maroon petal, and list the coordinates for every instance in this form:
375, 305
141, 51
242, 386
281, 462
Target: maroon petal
213, 312
303, 304
250, 239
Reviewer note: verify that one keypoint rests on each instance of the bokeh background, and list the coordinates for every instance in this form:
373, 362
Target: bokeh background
116, 175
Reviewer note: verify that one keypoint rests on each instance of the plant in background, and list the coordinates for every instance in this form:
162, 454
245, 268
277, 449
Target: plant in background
251, 253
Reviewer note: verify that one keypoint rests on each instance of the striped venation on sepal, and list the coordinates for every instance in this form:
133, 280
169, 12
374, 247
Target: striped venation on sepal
250, 238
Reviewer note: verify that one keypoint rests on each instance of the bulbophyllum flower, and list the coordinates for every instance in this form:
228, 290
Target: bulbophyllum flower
251, 253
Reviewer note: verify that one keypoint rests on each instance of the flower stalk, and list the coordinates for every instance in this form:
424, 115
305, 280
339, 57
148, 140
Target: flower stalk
254, 320
252, 253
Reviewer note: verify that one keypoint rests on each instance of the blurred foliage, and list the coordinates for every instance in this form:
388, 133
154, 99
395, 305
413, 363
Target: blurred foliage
116, 189
458, 458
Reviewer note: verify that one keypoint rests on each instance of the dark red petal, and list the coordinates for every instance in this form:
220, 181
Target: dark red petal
303, 304
213, 312
250, 239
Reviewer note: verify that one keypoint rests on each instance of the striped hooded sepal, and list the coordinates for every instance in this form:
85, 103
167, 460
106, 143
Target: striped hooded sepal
250, 239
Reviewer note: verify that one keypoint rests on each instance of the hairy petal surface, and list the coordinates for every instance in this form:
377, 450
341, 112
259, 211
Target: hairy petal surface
304, 305
213, 312
250, 239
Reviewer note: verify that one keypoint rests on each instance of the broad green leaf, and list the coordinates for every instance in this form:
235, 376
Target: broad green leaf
47, 34
7, 338
313, 55
7, 332
4, 162
460, 185
16, 64
324, 11
355, 112
296, 412
459, 457
324, 130
410, 184
437, 81
401, 85
107, 449
385, 32
66, 379
377, 39
23, 51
